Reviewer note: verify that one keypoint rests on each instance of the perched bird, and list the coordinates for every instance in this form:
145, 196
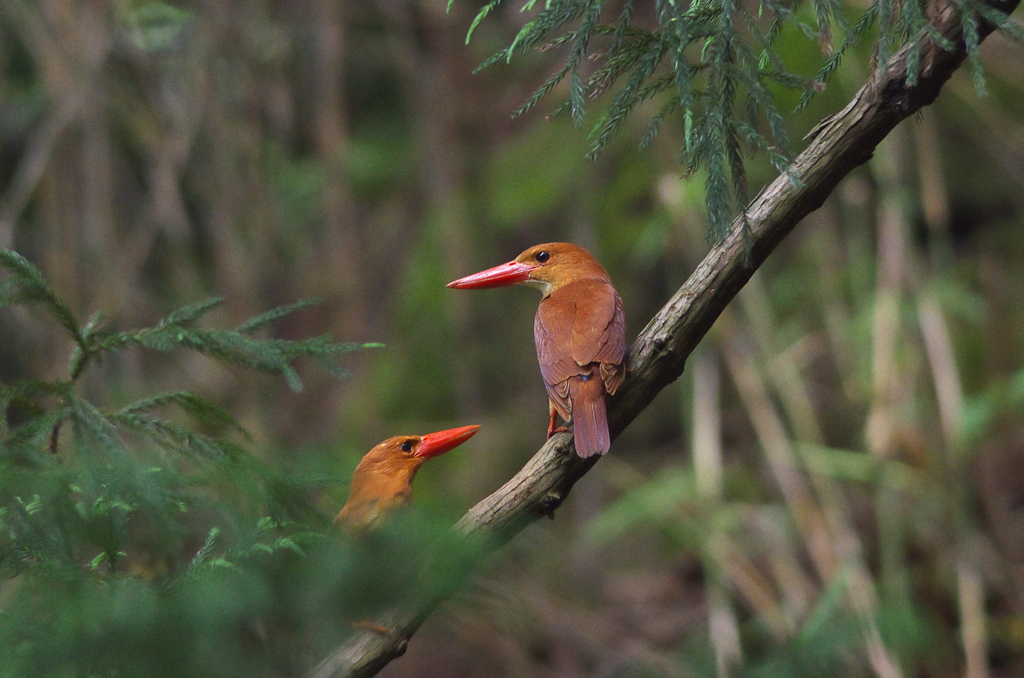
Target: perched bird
580, 332
382, 481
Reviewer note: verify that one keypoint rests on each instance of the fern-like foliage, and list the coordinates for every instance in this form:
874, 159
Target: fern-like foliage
134, 533
130, 443
713, 66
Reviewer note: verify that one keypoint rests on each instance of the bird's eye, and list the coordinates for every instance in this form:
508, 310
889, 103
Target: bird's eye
542, 256
407, 446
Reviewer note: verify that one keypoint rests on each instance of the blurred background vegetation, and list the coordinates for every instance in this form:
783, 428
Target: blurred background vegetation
833, 488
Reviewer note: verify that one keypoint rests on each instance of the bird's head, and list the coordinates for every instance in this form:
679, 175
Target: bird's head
383, 479
403, 455
547, 266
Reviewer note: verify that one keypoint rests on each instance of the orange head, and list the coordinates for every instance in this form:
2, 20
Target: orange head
547, 266
383, 479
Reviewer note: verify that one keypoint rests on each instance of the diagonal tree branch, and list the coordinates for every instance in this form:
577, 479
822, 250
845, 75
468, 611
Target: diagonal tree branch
837, 145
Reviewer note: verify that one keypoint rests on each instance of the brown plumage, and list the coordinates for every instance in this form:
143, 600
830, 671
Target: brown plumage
382, 481
579, 330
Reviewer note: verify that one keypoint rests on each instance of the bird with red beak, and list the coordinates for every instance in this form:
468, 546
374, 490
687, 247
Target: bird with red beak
579, 330
382, 482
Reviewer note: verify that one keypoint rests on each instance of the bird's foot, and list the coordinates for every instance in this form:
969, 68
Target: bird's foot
552, 429
367, 625
556, 429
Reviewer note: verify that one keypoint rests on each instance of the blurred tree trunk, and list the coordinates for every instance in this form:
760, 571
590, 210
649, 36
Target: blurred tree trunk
341, 254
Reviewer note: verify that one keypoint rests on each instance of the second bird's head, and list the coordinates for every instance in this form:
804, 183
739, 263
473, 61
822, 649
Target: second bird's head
403, 455
547, 266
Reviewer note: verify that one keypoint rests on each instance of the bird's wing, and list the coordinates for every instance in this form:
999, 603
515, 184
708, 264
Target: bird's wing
577, 325
552, 332
599, 330
613, 351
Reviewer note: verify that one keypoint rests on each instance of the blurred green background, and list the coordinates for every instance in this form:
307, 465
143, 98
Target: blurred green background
834, 487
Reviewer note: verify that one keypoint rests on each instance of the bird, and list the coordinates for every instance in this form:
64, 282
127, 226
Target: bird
382, 481
579, 330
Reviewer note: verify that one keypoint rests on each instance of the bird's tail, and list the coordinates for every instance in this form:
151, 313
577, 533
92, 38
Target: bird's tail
590, 420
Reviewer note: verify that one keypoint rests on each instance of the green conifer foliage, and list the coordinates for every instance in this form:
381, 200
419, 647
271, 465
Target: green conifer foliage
135, 542
712, 66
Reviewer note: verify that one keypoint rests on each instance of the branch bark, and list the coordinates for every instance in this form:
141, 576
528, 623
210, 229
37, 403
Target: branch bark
837, 145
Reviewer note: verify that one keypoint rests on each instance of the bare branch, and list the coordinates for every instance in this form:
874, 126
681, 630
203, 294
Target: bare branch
837, 145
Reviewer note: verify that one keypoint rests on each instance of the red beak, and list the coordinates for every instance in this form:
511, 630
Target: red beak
506, 274
434, 444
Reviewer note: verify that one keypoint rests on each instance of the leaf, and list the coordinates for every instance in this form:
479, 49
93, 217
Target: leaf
273, 315
206, 412
32, 288
187, 315
202, 555
480, 16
